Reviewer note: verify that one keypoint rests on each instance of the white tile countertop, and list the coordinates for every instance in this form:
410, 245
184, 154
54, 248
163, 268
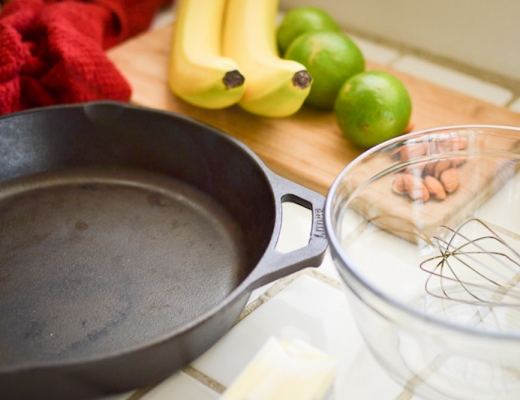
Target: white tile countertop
310, 305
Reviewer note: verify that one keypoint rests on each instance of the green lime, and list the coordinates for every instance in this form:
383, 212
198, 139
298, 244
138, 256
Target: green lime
372, 107
330, 58
301, 20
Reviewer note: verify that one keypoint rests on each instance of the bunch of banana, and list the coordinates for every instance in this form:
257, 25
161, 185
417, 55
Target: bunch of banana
217, 42
275, 87
198, 72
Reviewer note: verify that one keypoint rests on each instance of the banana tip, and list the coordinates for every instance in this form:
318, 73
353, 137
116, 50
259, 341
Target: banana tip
233, 79
302, 79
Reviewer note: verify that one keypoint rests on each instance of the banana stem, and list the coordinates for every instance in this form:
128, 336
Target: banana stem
302, 79
233, 79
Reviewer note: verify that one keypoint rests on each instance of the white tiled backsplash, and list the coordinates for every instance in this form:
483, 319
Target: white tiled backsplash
480, 33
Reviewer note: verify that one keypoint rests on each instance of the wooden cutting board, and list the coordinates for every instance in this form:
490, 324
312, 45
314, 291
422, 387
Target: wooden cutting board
307, 147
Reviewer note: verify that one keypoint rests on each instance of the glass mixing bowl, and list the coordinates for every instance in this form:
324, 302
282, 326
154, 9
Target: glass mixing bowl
425, 232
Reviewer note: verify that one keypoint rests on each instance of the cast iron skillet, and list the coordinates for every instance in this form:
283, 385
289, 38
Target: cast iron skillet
130, 241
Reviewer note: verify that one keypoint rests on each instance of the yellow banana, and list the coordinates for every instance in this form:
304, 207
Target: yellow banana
275, 87
198, 73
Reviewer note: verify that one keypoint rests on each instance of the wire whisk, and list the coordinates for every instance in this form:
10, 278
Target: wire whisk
475, 266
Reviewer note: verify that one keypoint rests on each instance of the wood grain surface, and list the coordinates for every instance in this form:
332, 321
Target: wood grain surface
307, 147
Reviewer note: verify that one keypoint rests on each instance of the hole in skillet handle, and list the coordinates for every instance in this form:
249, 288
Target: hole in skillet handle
276, 264
296, 227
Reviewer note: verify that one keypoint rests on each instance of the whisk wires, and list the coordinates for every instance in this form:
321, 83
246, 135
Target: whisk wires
485, 268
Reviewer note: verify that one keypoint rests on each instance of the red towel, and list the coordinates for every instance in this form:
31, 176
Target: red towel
52, 52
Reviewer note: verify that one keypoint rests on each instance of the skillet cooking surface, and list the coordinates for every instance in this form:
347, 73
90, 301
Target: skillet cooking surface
107, 254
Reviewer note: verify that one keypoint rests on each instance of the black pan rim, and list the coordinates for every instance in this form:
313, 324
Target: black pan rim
238, 291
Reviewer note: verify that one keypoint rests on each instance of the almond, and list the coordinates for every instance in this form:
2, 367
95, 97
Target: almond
450, 180
459, 143
434, 187
412, 150
415, 188
398, 185
457, 161
429, 168
453, 143
441, 166
416, 169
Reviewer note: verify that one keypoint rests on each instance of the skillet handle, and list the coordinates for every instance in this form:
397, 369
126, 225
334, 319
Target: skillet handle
274, 264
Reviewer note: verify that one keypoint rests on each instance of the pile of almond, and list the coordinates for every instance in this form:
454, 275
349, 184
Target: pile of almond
433, 179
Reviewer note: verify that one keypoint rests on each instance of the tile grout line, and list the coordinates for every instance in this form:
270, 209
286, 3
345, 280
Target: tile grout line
511, 102
495, 78
139, 393
334, 283
404, 395
282, 283
509, 84
204, 379
270, 293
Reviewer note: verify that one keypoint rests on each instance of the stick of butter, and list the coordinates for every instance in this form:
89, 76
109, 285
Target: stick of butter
283, 370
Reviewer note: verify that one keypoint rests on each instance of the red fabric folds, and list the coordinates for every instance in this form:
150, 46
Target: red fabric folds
52, 52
